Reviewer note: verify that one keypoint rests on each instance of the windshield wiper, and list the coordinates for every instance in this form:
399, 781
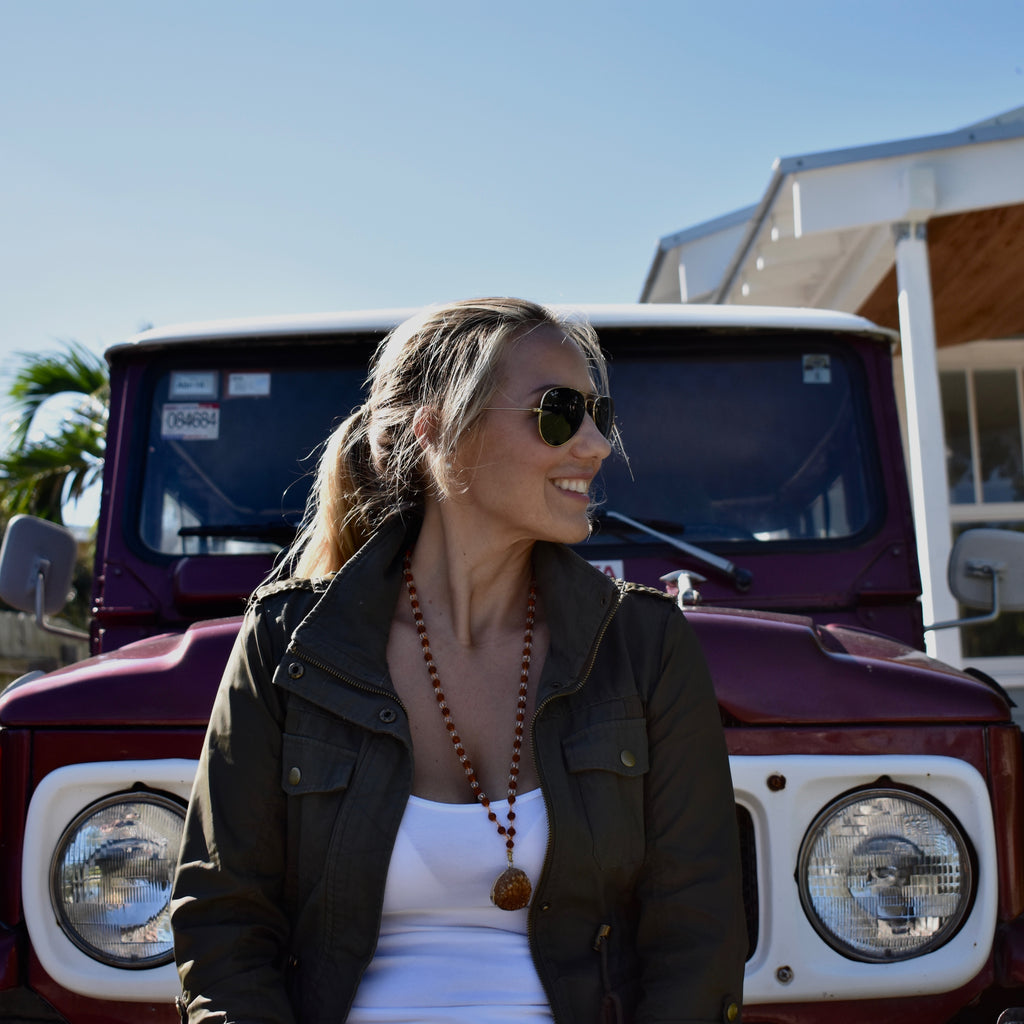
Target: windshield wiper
276, 533
740, 578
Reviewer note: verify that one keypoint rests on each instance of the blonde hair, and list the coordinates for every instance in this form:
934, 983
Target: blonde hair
446, 359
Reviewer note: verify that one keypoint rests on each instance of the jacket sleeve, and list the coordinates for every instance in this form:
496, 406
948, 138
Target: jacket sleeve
227, 909
692, 938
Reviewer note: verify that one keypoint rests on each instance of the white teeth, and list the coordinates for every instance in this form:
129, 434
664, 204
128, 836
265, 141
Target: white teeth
568, 484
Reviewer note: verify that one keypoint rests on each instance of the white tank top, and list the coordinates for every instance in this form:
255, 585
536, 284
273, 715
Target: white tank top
446, 954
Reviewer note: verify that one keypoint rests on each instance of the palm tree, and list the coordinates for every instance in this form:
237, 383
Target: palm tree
40, 474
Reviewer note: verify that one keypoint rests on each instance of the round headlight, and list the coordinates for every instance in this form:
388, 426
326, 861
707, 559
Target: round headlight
884, 875
111, 875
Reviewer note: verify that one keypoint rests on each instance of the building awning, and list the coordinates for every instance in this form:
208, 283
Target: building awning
822, 234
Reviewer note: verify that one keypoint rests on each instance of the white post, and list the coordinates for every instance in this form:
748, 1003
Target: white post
926, 437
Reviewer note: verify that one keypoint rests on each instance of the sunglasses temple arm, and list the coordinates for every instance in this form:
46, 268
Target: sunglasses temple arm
740, 577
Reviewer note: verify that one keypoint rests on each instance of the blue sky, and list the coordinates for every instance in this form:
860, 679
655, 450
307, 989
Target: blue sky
171, 162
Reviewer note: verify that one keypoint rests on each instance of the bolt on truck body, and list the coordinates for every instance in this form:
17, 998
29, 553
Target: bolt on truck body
878, 792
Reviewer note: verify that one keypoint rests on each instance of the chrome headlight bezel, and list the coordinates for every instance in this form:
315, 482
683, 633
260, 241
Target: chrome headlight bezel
159, 847
965, 869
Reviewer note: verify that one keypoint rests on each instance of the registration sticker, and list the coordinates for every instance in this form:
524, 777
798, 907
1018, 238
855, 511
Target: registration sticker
248, 385
190, 421
818, 369
193, 384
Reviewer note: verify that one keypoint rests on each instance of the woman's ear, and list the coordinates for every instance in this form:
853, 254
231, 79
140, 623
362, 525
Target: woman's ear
424, 426
438, 471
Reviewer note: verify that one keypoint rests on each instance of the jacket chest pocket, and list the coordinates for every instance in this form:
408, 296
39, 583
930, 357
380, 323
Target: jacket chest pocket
310, 765
315, 776
607, 761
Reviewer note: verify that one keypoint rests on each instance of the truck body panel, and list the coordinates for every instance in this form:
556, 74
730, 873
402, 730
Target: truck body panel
814, 638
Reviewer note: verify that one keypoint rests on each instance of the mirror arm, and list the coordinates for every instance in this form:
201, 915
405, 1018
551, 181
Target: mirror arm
979, 569
41, 621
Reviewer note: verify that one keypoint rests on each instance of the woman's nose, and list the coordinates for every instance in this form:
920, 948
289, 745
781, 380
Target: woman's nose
589, 442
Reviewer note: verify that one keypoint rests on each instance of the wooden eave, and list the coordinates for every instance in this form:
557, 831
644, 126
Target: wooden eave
976, 261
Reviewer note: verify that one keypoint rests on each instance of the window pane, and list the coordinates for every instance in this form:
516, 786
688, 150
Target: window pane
788, 459
995, 394
230, 474
959, 463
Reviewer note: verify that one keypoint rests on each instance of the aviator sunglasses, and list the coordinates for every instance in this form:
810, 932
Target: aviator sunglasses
561, 412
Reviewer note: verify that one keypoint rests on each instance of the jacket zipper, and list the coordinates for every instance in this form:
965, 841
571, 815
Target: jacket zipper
588, 667
611, 1005
301, 652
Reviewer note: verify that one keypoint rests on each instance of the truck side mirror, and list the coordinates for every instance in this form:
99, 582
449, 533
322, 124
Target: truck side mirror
986, 570
37, 561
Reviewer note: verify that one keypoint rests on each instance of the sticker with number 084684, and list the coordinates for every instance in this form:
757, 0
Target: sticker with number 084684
190, 421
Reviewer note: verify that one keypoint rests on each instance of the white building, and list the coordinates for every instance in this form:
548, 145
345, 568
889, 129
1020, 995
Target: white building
925, 235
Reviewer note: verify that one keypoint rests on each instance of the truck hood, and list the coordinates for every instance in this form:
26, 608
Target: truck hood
164, 681
773, 669
767, 669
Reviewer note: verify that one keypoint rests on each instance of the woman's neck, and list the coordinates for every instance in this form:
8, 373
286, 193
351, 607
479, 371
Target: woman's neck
476, 587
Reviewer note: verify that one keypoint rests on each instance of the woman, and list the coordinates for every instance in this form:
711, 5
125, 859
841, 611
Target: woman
453, 773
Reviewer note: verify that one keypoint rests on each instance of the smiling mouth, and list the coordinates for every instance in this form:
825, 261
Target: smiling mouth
574, 485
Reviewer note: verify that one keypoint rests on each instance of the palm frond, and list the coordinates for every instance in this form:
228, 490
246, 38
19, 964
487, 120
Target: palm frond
45, 375
38, 474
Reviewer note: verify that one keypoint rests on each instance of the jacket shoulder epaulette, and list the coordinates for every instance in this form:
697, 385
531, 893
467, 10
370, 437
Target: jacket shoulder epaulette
291, 585
626, 587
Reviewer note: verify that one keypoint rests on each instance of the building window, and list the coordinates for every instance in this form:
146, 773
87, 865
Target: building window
982, 417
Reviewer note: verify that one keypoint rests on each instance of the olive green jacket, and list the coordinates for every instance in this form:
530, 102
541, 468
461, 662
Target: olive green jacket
307, 769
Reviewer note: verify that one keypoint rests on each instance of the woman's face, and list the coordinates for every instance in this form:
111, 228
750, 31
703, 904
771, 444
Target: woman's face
523, 488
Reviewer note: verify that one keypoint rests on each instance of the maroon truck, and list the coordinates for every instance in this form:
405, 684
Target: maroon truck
878, 792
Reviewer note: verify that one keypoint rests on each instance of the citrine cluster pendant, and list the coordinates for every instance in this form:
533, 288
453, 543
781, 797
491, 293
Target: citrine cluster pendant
512, 888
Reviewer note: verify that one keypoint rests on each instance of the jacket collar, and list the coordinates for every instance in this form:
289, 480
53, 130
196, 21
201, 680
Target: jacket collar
349, 626
577, 601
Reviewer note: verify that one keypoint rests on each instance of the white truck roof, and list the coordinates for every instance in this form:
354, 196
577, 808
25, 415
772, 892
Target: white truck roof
607, 315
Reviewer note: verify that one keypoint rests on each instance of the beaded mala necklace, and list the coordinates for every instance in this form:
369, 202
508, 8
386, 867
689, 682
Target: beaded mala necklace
512, 888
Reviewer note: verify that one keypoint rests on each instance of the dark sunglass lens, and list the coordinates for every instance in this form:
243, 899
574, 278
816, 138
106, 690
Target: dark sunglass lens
604, 415
562, 412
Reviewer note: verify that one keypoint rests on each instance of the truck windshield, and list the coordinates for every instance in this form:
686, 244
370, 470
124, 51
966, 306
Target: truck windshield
755, 446
229, 454
768, 445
